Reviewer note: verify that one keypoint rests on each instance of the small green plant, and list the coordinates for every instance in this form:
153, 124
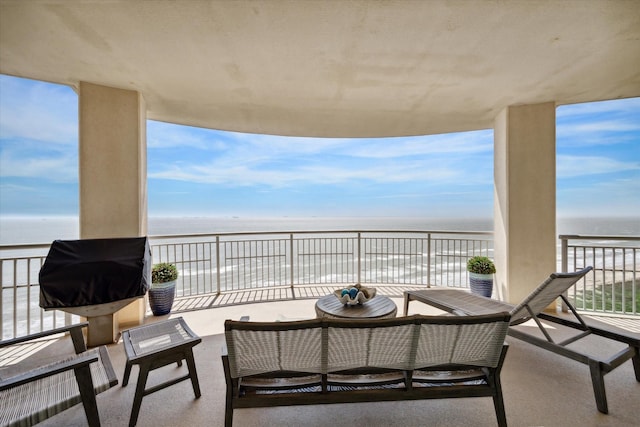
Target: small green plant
481, 265
163, 272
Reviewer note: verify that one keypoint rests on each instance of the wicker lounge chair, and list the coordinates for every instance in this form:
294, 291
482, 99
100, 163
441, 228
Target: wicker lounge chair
461, 302
325, 360
33, 396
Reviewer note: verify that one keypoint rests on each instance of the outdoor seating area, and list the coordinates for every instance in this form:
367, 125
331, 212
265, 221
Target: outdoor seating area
290, 161
539, 387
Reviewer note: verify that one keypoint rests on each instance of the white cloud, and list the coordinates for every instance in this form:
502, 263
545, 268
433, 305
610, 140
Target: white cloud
593, 109
167, 135
38, 111
252, 147
286, 144
421, 196
599, 123
235, 172
6, 188
51, 169
277, 162
602, 198
461, 143
573, 166
597, 132
42, 118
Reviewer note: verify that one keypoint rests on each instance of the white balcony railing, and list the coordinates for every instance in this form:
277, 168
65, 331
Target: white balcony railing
232, 262
211, 264
612, 285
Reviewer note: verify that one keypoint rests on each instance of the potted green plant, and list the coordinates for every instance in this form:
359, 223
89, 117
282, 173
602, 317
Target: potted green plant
481, 270
164, 277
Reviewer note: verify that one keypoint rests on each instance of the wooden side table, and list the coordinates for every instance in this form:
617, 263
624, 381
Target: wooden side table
154, 346
378, 308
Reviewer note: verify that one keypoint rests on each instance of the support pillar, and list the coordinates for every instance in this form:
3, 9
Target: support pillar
524, 198
113, 173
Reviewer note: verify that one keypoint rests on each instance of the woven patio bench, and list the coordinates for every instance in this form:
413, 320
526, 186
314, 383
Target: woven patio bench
325, 360
32, 396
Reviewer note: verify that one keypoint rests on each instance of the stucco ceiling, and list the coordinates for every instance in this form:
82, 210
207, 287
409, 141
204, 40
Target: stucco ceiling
341, 68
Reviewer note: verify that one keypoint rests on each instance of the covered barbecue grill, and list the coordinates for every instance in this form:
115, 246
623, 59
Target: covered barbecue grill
95, 278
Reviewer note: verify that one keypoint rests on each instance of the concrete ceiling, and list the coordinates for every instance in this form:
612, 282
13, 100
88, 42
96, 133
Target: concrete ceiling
331, 68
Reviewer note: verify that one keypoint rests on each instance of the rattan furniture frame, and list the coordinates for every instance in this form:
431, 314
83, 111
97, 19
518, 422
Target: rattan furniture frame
33, 396
156, 345
326, 360
460, 302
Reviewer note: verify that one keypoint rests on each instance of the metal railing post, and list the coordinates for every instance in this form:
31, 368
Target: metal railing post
15, 298
291, 260
1, 298
359, 258
218, 265
634, 284
429, 260
564, 253
564, 265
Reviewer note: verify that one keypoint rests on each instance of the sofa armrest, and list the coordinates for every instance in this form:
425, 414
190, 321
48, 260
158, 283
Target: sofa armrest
75, 331
74, 362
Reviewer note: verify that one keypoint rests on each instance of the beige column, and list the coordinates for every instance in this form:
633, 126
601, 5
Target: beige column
525, 198
113, 171
113, 162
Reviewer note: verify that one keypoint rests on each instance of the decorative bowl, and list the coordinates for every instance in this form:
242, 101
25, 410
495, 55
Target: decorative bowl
359, 296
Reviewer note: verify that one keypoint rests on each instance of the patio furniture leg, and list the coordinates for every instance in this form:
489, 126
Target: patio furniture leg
140, 389
85, 386
636, 363
231, 384
191, 364
498, 400
228, 412
597, 378
498, 404
127, 373
406, 304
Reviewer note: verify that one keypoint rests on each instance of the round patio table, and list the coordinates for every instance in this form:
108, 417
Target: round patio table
377, 308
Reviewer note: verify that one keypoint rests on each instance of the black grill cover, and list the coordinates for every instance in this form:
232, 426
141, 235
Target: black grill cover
94, 271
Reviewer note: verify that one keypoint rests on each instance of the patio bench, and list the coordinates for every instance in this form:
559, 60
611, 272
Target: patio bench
325, 360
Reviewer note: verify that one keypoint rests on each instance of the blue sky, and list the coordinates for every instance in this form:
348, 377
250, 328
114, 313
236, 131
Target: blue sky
201, 172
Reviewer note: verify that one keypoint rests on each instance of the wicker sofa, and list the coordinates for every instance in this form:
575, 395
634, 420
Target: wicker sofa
322, 361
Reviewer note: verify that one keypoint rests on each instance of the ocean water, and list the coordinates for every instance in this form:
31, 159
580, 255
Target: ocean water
30, 230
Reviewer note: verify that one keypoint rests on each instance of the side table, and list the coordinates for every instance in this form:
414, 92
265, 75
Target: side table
379, 307
154, 346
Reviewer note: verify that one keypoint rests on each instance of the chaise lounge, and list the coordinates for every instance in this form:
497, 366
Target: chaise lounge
460, 302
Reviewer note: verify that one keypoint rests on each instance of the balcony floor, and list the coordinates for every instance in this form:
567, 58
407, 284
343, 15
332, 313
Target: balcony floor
540, 388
